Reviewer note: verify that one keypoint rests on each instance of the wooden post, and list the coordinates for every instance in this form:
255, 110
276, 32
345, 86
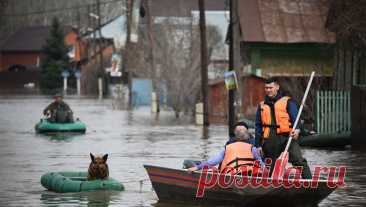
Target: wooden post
204, 78
358, 94
334, 121
65, 84
345, 111
199, 114
100, 87
325, 109
78, 86
337, 112
317, 99
322, 112
349, 121
154, 103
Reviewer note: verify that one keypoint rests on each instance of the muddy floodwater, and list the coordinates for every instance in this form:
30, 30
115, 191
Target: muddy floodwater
131, 138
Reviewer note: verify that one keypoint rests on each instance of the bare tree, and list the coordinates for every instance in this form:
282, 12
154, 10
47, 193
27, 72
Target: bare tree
177, 53
15, 14
347, 19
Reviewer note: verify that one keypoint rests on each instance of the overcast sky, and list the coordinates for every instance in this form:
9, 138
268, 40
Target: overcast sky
116, 28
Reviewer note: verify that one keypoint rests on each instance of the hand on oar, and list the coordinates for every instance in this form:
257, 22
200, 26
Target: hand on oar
192, 169
295, 134
260, 151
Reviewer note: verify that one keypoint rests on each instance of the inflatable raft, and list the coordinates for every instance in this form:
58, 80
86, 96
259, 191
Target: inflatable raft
335, 140
44, 126
66, 182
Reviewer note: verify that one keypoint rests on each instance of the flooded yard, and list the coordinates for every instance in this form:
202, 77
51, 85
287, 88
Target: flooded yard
131, 139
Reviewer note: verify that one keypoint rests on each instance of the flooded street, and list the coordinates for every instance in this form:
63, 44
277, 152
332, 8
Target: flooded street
132, 139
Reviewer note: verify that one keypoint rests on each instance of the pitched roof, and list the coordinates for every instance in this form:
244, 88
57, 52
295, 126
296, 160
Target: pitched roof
284, 21
28, 39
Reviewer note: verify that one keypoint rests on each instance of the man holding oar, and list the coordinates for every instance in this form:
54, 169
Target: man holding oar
274, 120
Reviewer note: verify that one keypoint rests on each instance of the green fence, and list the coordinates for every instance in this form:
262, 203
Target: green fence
333, 111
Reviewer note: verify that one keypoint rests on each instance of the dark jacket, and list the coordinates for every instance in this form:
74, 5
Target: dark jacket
54, 106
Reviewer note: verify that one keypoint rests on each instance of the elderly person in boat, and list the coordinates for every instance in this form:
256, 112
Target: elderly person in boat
59, 111
238, 152
251, 139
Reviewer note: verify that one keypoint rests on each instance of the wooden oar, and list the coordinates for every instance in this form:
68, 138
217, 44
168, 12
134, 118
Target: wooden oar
282, 160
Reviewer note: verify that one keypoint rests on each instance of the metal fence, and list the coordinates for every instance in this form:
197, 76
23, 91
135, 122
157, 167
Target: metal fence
333, 111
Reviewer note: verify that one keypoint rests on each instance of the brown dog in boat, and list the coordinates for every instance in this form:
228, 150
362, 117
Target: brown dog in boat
98, 168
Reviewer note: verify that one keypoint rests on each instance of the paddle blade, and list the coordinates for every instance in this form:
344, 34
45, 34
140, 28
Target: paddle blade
280, 166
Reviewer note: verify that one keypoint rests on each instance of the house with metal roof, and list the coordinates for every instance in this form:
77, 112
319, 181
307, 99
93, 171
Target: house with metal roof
281, 38
284, 37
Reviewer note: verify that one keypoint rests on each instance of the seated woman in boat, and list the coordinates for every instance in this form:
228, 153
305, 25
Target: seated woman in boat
237, 153
59, 111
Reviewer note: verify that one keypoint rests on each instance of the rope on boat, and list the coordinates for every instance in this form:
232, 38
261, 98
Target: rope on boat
141, 182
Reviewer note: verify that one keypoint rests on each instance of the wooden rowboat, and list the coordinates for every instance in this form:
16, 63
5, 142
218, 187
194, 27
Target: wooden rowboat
173, 185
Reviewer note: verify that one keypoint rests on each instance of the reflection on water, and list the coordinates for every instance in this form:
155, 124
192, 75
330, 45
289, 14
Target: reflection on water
97, 198
131, 138
68, 137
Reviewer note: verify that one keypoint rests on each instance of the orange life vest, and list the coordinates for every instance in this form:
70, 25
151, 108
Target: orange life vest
283, 124
238, 154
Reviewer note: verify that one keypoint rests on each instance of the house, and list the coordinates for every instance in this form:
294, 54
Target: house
282, 37
279, 38
22, 50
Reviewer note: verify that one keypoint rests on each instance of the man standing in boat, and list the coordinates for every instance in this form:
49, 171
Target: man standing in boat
59, 111
273, 125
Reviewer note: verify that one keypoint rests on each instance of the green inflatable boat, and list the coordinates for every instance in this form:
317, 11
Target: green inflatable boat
67, 182
44, 126
332, 140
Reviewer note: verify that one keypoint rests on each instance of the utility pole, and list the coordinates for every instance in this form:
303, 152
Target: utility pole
91, 28
125, 73
155, 76
101, 46
231, 111
87, 29
94, 35
204, 78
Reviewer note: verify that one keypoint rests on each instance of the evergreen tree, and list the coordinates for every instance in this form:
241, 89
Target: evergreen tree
55, 59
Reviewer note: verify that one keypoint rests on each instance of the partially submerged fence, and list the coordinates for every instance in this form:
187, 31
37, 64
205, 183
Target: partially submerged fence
333, 111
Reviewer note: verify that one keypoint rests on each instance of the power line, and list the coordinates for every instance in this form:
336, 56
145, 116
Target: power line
59, 10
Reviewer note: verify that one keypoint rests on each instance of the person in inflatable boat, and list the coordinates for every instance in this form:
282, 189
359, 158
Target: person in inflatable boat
58, 111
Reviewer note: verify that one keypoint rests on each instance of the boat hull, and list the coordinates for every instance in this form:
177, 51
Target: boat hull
173, 185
